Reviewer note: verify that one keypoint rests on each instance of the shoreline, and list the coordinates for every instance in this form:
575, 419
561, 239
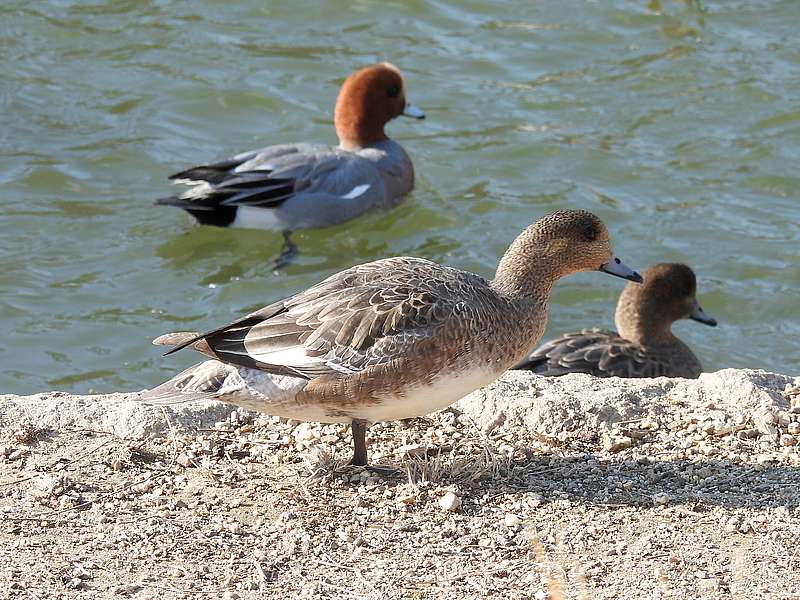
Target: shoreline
599, 488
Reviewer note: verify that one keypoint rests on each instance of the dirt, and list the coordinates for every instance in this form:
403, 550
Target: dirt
531, 488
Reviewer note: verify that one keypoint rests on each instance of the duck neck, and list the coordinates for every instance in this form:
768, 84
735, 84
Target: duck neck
526, 272
642, 323
357, 132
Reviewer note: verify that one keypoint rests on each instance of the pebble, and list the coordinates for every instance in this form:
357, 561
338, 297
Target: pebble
660, 499
17, 454
512, 521
709, 584
617, 445
450, 502
304, 432
732, 524
407, 499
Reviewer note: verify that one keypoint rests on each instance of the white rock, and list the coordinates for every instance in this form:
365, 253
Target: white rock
304, 432
511, 520
578, 401
450, 502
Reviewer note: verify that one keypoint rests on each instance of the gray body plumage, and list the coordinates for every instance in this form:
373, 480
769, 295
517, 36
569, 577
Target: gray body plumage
298, 186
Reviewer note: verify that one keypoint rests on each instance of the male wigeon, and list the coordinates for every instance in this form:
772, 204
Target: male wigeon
644, 346
302, 186
391, 339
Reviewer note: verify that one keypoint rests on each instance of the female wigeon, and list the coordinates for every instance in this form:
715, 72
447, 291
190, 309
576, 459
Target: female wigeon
644, 346
302, 186
391, 339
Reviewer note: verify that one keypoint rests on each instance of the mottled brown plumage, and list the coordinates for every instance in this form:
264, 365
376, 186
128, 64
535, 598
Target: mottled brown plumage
398, 337
644, 345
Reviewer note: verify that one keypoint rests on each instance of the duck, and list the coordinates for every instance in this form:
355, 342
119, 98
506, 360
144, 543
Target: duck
391, 339
643, 345
287, 187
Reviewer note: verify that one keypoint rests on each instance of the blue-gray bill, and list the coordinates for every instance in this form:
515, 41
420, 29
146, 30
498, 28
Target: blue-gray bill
619, 269
699, 315
412, 111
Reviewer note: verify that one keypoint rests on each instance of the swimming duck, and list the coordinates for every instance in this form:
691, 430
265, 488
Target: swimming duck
644, 345
302, 186
391, 339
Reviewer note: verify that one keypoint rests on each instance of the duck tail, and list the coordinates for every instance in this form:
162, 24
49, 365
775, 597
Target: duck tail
180, 338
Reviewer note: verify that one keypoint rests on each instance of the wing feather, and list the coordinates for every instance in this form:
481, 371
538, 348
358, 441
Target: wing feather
360, 317
597, 352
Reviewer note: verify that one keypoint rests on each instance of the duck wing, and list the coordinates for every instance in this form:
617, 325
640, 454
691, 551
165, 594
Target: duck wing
598, 352
364, 316
267, 178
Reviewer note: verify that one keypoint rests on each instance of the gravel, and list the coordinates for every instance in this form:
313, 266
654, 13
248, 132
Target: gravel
530, 488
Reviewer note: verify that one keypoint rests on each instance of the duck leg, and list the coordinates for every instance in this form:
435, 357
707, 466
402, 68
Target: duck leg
288, 252
359, 430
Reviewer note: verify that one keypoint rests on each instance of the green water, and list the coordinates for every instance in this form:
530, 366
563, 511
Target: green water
678, 122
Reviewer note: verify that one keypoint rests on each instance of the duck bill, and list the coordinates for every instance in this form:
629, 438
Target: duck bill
412, 111
699, 315
619, 269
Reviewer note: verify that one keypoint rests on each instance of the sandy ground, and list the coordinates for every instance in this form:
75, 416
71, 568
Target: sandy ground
531, 488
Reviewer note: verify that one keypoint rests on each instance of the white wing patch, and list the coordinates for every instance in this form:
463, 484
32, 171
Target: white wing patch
200, 189
356, 191
294, 356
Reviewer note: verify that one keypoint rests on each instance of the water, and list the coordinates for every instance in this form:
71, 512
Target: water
676, 121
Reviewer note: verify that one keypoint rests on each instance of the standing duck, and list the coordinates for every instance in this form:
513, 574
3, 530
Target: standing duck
391, 339
304, 186
644, 346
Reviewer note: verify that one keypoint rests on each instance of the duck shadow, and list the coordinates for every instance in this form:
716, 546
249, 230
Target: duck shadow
639, 482
592, 480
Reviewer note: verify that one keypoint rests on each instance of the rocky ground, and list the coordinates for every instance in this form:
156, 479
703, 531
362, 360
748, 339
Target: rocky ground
531, 488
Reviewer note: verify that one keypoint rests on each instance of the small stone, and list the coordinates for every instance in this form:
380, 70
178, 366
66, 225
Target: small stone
534, 500
660, 499
709, 584
17, 454
745, 527
304, 432
450, 502
788, 440
183, 460
793, 428
512, 521
618, 444
407, 499
732, 525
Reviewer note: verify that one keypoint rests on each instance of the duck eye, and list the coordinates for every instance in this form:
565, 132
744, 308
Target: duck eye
393, 91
